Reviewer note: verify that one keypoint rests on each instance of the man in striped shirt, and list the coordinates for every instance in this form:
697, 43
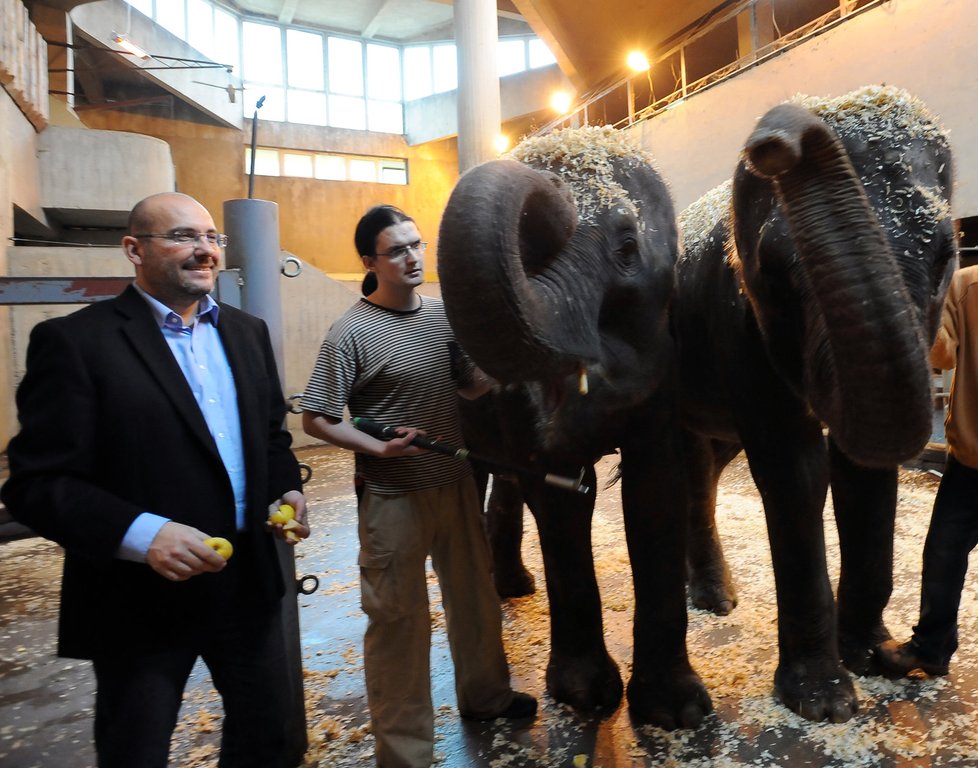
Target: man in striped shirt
388, 359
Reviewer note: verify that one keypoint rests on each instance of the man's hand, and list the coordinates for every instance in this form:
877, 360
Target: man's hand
401, 445
289, 529
178, 552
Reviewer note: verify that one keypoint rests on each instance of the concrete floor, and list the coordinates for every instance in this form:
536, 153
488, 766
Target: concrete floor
46, 703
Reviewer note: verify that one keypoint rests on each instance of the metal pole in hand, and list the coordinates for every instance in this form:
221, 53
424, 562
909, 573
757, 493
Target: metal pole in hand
387, 432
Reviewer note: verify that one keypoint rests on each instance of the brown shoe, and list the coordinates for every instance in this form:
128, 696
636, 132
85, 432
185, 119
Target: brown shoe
903, 658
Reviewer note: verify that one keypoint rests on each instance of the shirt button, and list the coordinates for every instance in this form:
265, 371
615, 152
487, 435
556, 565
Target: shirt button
220, 435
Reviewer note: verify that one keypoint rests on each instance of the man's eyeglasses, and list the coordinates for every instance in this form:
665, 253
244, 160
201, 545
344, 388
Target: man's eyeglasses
213, 238
402, 250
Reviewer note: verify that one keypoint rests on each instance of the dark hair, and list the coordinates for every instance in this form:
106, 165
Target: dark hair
372, 223
369, 284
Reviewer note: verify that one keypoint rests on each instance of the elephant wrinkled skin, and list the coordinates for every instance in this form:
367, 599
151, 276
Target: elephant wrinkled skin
809, 292
557, 272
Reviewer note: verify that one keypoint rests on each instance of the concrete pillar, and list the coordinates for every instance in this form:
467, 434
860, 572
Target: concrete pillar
479, 113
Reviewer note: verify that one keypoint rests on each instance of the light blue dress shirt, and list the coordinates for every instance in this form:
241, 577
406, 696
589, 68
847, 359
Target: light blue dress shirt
198, 351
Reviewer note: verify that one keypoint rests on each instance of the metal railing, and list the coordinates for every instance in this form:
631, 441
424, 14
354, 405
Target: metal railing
622, 91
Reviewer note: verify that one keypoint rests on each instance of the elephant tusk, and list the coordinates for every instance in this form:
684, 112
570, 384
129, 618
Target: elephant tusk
582, 381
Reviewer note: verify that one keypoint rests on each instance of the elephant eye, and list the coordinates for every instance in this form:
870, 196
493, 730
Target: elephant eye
626, 253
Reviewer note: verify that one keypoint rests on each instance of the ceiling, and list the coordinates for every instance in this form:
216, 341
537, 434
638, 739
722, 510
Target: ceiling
588, 37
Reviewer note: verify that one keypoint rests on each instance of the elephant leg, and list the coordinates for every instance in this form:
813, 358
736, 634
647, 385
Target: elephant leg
789, 463
504, 526
580, 672
711, 586
663, 689
865, 510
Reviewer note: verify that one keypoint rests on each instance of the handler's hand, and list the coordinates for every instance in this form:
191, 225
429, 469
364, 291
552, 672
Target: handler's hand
295, 529
178, 552
401, 445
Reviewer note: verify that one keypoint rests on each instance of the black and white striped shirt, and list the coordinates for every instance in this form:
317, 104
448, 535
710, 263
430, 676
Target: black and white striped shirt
395, 368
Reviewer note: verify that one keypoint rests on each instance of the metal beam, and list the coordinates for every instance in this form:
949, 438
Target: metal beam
287, 13
60, 290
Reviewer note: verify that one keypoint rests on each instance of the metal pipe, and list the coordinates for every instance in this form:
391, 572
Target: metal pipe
387, 432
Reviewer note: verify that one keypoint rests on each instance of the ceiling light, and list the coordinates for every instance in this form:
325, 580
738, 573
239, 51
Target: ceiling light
560, 102
501, 142
124, 42
637, 61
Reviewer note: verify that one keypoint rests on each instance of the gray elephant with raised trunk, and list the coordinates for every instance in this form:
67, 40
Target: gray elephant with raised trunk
810, 289
557, 272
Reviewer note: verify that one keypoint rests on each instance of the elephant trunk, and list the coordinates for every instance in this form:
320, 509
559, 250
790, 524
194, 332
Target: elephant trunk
866, 372
502, 229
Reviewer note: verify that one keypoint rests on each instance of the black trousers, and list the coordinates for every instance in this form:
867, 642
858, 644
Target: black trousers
139, 692
952, 534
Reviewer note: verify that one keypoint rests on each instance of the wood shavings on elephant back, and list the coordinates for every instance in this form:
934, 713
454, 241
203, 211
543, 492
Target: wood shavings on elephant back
698, 221
584, 159
889, 115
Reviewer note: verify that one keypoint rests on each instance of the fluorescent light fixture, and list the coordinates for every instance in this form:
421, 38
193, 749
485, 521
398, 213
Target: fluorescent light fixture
124, 42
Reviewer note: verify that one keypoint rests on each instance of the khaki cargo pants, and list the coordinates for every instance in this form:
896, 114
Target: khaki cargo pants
397, 533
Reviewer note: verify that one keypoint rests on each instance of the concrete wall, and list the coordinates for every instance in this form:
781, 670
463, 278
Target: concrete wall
925, 46
316, 217
19, 186
123, 167
310, 304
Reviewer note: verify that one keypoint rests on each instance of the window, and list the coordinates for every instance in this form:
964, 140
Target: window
417, 72
297, 165
383, 72
316, 78
331, 167
226, 36
200, 26
305, 60
345, 66
266, 162
327, 166
307, 107
445, 65
510, 56
171, 16
540, 55
262, 47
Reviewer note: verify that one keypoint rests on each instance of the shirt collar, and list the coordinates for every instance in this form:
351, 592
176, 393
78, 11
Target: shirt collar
164, 316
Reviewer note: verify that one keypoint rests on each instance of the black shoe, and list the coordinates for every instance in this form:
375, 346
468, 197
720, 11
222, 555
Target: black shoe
521, 707
903, 658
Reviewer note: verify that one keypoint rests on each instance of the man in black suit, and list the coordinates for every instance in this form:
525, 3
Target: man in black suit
149, 423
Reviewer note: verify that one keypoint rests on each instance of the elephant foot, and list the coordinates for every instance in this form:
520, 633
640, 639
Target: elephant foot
584, 683
816, 690
712, 591
517, 582
669, 700
858, 650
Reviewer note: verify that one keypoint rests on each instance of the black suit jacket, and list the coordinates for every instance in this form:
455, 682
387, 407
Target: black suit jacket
110, 429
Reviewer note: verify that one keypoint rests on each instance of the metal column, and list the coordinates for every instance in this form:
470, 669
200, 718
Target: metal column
253, 248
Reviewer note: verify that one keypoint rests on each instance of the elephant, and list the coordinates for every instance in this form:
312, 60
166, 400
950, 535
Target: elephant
809, 291
557, 270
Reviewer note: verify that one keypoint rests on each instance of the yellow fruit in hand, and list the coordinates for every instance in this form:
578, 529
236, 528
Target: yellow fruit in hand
220, 545
284, 513
289, 528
